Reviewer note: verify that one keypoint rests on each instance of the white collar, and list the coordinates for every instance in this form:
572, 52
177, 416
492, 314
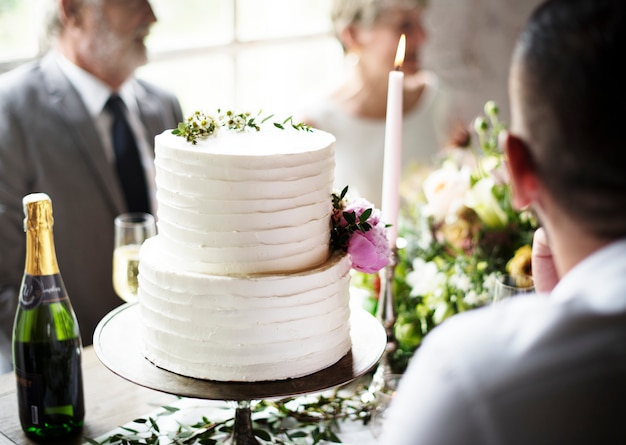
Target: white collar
92, 90
597, 276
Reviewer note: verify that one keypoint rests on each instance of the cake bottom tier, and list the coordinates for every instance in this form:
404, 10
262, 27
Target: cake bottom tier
246, 329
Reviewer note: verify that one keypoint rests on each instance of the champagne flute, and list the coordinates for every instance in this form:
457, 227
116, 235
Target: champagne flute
508, 285
382, 399
131, 230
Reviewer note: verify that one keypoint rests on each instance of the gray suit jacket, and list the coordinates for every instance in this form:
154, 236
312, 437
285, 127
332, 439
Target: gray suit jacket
49, 143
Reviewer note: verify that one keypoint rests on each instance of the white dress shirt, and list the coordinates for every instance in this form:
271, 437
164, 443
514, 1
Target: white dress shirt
541, 369
95, 95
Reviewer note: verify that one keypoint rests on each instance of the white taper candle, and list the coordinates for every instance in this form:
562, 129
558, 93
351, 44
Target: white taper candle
392, 167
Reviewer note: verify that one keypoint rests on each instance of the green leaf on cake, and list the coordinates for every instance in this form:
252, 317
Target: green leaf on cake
200, 125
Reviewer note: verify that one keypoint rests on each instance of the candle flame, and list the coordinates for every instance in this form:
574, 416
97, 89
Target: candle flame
400, 52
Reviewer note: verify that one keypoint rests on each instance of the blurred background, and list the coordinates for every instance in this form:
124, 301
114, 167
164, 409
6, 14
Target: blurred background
277, 54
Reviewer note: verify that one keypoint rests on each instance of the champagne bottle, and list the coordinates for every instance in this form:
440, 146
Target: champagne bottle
47, 347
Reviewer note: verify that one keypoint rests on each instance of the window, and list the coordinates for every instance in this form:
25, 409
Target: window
240, 54
19, 31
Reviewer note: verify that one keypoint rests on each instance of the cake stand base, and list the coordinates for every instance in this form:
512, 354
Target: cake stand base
118, 344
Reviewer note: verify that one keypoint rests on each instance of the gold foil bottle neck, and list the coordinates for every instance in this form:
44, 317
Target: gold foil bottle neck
37, 211
38, 221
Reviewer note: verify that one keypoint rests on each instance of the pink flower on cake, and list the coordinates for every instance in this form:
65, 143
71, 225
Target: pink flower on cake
358, 230
369, 253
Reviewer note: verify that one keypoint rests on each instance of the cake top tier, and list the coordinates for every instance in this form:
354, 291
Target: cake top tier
230, 133
268, 141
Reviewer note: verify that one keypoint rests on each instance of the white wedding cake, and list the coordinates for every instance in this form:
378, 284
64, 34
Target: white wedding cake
240, 283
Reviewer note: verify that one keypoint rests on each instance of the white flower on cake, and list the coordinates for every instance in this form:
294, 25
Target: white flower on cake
200, 125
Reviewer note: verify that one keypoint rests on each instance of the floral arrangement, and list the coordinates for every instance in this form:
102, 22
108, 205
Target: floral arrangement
200, 125
358, 230
459, 231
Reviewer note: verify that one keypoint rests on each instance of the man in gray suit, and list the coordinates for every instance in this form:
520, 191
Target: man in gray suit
55, 137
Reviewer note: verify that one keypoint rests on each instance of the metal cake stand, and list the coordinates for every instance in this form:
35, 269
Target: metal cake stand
118, 344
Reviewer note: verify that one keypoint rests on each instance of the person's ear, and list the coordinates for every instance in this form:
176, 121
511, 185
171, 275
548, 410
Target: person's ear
68, 11
522, 171
349, 39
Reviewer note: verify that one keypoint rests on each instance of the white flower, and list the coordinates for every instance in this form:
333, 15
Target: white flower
442, 311
425, 278
489, 163
445, 191
482, 200
461, 281
471, 298
489, 283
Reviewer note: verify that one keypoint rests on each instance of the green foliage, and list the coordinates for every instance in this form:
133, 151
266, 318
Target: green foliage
7, 6
200, 125
449, 262
305, 420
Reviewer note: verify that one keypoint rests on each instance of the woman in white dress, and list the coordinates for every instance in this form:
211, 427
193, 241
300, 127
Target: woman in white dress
369, 31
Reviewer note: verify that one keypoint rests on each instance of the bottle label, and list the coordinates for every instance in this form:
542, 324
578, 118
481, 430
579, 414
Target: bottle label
30, 394
41, 289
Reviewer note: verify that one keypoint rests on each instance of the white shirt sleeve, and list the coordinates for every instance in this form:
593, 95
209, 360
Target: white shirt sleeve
431, 405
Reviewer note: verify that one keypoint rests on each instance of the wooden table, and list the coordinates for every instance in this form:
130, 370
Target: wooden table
110, 401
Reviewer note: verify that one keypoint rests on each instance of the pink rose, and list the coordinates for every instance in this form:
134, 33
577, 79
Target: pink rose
369, 250
357, 229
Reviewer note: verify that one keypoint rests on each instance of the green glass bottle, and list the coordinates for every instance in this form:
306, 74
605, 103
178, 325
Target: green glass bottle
47, 347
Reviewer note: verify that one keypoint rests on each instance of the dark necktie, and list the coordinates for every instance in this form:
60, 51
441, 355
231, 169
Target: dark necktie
128, 163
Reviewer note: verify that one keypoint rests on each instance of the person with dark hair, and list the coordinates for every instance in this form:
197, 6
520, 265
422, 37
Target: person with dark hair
548, 368
58, 127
